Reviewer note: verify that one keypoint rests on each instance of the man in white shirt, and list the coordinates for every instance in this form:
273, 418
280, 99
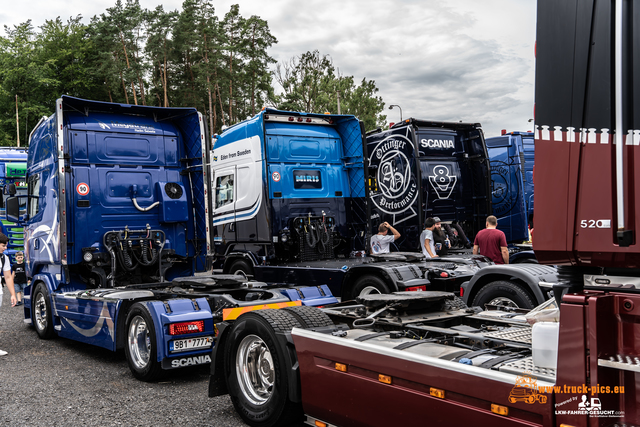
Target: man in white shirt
381, 241
426, 239
6, 271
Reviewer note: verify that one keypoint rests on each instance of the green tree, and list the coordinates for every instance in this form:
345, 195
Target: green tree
310, 83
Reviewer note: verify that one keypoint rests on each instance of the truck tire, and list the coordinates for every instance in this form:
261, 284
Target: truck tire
41, 317
241, 265
504, 293
141, 349
365, 285
256, 371
309, 317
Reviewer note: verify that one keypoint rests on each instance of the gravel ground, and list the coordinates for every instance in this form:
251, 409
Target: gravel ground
60, 382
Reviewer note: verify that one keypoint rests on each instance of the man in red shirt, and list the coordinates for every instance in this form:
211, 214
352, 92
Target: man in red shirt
492, 243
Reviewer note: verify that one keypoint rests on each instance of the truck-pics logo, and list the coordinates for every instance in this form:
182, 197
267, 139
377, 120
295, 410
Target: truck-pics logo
398, 189
442, 181
526, 390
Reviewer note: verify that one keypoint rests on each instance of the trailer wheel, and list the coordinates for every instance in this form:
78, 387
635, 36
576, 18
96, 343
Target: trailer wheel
256, 371
503, 293
141, 349
241, 266
367, 284
42, 312
309, 317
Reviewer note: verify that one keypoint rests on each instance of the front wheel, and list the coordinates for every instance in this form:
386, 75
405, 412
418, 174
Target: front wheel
256, 371
503, 293
141, 349
42, 312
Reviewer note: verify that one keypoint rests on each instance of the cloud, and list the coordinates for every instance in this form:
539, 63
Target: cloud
461, 60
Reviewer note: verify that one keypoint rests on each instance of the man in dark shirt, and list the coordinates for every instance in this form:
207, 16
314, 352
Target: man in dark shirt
492, 242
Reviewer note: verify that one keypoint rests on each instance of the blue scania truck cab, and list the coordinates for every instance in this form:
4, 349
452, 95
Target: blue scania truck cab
420, 169
512, 160
116, 225
291, 204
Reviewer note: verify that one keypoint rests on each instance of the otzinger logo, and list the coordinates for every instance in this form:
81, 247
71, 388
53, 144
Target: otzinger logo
398, 189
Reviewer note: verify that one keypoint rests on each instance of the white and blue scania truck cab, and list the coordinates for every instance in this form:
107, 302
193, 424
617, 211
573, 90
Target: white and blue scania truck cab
116, 225
290, 204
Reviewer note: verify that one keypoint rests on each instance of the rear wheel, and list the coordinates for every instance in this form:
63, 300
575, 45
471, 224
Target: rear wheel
503, 293
309, 317
241, 267
366, 285
256, 369
141, 349
42, 320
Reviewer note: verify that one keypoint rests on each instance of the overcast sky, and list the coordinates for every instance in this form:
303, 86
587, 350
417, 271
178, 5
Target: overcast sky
469, 60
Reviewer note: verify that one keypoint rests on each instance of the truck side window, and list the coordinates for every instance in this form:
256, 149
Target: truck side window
224, 190
33, 203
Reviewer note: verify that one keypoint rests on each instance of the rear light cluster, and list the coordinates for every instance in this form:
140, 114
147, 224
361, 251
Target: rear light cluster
186, 327
416, 288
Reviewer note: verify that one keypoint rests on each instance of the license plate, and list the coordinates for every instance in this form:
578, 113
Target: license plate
190, 344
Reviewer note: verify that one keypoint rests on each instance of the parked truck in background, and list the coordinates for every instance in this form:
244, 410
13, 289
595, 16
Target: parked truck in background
511, 156
291, 206
116, 225
13, 169
420, 169
411, 359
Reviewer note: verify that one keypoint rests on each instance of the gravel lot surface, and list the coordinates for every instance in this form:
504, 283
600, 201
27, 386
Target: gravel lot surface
60, 382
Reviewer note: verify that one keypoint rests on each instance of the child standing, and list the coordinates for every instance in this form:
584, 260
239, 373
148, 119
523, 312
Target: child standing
19, 276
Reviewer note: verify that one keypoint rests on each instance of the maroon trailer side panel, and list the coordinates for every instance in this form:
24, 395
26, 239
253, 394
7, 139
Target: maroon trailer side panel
358, 398
577, 116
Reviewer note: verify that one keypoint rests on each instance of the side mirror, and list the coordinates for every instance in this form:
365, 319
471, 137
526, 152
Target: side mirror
9, 189
13, 209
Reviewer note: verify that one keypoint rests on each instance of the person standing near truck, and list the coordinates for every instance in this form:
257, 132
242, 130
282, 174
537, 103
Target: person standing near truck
6, 271
381, 241
492, 242
19, 276
427, 241
440, 238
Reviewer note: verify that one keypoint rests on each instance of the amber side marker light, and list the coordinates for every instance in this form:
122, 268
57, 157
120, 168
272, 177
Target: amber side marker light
320, 424
341, 367
436, 392
499, 409
384, 379
566, 425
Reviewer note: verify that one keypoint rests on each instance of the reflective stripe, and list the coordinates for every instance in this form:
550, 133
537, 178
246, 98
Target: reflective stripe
234, 313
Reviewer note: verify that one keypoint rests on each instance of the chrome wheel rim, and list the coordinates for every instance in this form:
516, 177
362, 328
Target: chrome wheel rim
139, 342
40, 311
255, 370
504, 302
368, 290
